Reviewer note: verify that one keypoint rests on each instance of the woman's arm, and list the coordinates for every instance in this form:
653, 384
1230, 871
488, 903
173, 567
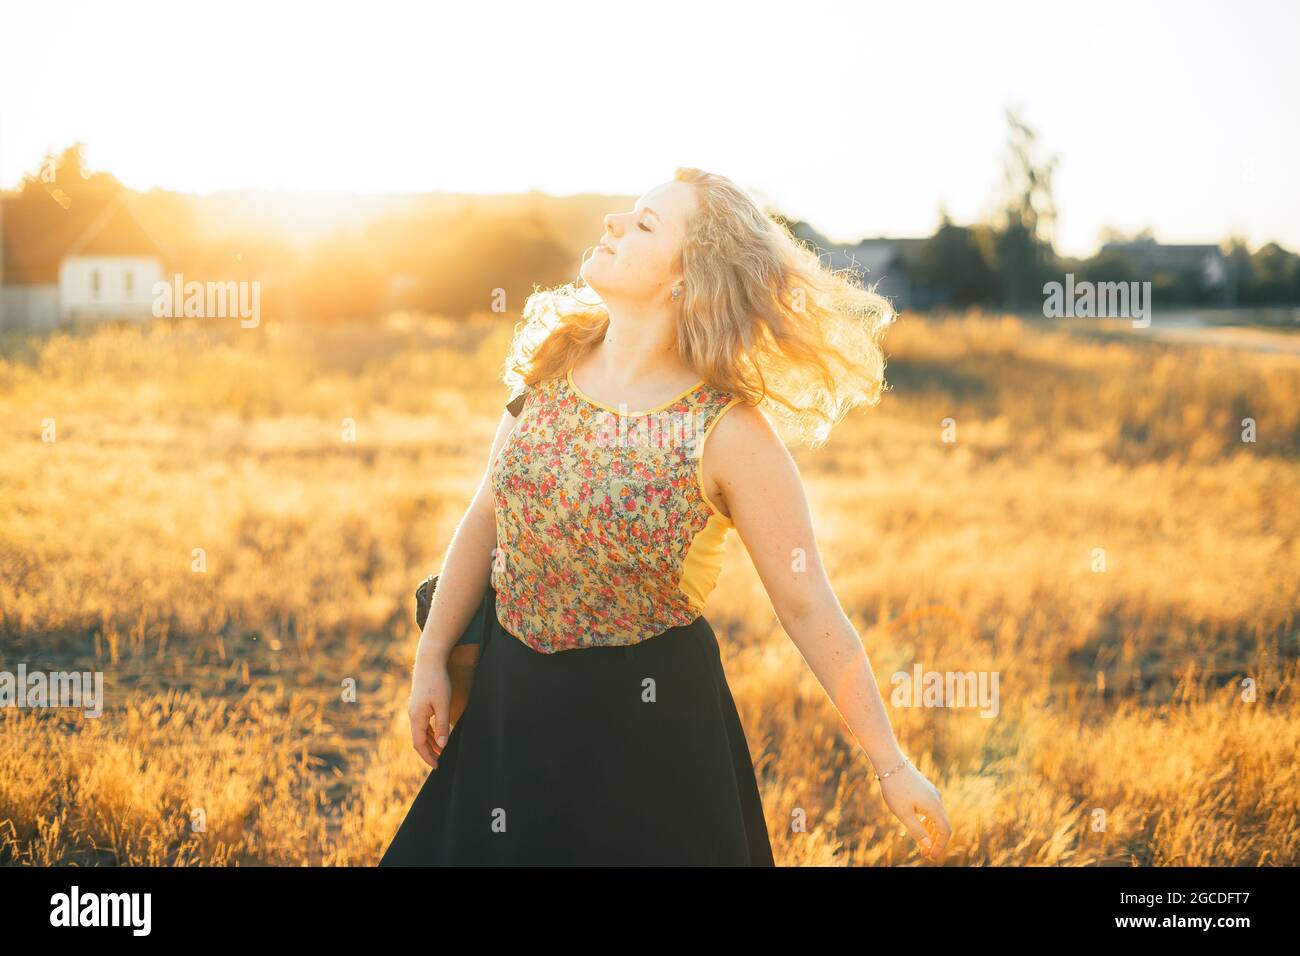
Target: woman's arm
465, 570
467, 563
762, 491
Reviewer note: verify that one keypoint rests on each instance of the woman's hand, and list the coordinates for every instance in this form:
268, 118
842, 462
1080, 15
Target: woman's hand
429, 709
910, 796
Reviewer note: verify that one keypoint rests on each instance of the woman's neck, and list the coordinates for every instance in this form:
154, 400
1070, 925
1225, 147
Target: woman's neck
639, 350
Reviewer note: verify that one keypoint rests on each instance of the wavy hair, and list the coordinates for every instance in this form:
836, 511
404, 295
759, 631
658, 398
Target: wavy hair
762, 318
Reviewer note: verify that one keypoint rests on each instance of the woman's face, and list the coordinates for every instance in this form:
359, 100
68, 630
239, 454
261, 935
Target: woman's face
639, 257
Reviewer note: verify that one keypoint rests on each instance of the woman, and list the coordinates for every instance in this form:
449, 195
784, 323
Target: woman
600, 728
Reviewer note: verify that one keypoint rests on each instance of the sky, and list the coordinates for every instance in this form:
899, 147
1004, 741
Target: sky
863, 118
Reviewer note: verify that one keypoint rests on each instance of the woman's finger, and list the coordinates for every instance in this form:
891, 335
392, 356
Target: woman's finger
945, 829
915, 828
420, 714
433, 740
939, 826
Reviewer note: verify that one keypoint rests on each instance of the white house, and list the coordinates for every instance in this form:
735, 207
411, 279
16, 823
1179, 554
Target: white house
74, 266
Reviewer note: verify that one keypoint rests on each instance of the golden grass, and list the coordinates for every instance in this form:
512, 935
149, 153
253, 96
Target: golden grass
1123, 735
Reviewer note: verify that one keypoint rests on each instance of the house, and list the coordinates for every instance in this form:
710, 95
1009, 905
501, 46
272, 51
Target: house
890, 264
82, 264
1203, 265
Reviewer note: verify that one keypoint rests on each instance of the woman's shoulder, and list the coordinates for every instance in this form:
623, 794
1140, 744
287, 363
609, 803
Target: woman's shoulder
708, 394
523, 392
719, 401
737, 422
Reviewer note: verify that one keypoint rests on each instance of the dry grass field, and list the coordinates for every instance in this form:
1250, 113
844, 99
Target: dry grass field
1149, 713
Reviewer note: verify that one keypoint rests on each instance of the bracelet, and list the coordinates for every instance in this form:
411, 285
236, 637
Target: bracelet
882, 776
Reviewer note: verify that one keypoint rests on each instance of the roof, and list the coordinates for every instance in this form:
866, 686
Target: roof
875, 256
38, 234
904, 250
1147, 253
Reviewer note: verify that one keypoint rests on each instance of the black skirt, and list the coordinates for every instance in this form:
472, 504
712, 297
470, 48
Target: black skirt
593, 756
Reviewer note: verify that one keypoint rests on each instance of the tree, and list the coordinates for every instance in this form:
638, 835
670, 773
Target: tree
1276, 276
1109, 265
1025, 224
952, 260
67, 175
1241, 271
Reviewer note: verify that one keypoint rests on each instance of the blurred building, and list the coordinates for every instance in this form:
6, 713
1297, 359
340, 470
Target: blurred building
1203, 268
76, 265
891, 264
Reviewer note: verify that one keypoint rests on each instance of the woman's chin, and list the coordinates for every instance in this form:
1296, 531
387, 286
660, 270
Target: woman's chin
592, 277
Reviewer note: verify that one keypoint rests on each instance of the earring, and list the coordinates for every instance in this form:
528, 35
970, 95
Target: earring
676, 292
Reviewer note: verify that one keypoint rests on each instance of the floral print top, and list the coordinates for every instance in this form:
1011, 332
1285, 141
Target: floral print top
604, 534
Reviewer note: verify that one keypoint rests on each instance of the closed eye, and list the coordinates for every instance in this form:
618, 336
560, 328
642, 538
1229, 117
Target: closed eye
644, 226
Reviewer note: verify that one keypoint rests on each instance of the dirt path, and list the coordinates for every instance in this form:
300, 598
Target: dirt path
1188, 330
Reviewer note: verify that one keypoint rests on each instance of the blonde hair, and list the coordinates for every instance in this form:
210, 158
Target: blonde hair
762, 318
